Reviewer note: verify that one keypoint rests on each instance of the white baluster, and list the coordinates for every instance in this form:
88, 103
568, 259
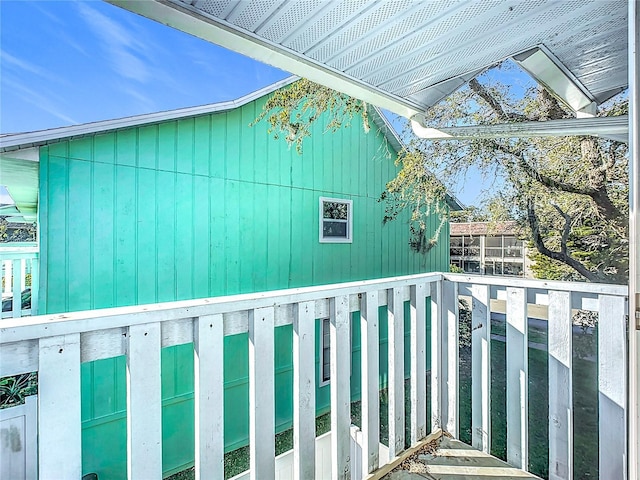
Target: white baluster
304, 391
261, 393
59, 414
208, 350
517, 378
370, 357
144, 402
340, 389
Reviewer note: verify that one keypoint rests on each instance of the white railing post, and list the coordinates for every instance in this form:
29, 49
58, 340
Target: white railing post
481, 367
23, 273
517, 378
370, 357
59, 414
35, 284
437, 378
15, 262
560, 386
418, 363
144, 402
208, 353
612, 364
304, 391
340, 389
8, 276
450, 370
396, 371
261, 393
17, 293
633, 363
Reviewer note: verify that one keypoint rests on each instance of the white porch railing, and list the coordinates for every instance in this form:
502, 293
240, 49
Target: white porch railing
56, 345
559, 298
19, 276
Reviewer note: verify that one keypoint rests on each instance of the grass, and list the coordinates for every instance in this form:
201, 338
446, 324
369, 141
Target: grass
237, 461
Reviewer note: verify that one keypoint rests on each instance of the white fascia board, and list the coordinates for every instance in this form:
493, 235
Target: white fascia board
545, 68
608, 127
31, 154
195, 22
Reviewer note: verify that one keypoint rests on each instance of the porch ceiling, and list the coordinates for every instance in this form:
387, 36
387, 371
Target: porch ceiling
19, 172
406, 55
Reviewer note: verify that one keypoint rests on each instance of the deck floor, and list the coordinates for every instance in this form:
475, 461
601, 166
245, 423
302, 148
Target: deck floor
450, 459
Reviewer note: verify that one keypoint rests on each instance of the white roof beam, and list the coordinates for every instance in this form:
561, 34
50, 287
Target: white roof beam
615, 128
545, 68
190, 20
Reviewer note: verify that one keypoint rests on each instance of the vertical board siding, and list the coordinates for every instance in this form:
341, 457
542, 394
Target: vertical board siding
202, 207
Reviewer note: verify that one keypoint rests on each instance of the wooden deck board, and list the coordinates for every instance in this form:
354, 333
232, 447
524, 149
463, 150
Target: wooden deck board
454, 460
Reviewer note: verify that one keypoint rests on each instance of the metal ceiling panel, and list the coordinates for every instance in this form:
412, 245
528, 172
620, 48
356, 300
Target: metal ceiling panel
400, 53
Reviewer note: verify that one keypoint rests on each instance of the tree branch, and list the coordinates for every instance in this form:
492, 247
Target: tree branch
565, 231
495, 105
539, 177
563, 256
598, 193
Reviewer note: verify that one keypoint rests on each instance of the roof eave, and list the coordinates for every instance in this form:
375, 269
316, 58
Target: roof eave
193, 21
20, 141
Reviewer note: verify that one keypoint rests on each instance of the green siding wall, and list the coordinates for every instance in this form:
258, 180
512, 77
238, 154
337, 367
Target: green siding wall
202, 207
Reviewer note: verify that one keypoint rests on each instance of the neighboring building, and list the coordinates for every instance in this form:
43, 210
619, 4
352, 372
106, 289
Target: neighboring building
489, 249
196, 203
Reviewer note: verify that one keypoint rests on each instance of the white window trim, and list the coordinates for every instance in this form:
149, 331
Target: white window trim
349, 221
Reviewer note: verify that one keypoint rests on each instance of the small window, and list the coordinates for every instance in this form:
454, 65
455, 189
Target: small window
325, 355
335, 220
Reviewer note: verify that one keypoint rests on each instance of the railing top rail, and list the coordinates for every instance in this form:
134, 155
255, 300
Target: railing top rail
9, 251
28, 328
581, 287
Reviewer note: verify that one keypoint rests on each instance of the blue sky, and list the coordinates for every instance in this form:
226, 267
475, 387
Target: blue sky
71, 62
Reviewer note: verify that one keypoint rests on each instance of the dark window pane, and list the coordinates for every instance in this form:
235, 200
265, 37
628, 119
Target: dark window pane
334, 229
472, 267
493, 241
334, 210
472, 241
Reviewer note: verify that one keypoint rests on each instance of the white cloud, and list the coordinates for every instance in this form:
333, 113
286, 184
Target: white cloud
122, 48
40, 100
146, 103
11, 61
